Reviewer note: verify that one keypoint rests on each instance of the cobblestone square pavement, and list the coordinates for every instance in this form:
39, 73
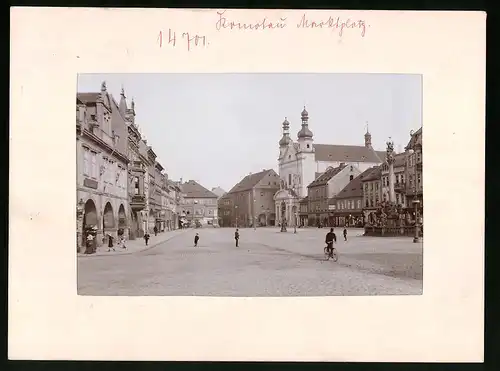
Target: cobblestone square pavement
267, 263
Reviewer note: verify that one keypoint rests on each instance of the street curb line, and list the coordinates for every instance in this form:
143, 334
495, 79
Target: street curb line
130, 252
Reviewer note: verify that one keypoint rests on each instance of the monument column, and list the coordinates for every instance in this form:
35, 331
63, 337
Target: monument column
390, 162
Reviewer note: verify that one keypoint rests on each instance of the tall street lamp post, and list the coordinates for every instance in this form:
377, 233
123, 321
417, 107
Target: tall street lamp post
295, 224
236, 214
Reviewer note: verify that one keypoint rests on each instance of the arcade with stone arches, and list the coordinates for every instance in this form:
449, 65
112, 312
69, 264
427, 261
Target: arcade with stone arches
107, 221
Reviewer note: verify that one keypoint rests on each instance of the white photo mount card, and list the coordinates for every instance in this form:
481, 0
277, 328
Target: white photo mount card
249, 185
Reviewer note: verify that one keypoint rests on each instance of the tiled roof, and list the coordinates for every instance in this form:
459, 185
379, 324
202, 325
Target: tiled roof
88, 97
192, 189
218, 191
381, 155
353, 189
400, 160
250, 181
374, 174
326, 176
345, 153
416, 138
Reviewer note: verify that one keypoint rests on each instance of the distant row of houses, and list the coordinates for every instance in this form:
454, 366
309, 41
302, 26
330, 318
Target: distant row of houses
346, 183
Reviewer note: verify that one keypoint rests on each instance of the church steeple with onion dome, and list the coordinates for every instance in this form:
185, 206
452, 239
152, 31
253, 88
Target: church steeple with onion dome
305, 135
285, 139
305, 132
368, 138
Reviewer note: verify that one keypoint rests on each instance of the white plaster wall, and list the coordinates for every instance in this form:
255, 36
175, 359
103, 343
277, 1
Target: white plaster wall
340, 181
308, 172
303, 145
289, 167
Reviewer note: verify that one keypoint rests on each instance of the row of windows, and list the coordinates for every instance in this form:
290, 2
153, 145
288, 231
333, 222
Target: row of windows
201, 201
199, 212
400, 179
348, 204
411, 178
414, 159
370, 202
110, 172
318, 192
371, 186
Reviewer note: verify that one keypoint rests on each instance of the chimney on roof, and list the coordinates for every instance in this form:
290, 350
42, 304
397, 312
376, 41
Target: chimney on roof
342, 164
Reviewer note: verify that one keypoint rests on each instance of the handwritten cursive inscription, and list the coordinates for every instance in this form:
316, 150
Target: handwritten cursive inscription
333, 23
189, 40
264, 24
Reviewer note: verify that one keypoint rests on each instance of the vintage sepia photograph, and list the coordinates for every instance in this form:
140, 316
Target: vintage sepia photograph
249, 185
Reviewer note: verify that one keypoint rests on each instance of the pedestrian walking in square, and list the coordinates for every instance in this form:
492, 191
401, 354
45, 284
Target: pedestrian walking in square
196, 239
345, 234
155, 230
236, 237
110, 243
146, 238
122, 242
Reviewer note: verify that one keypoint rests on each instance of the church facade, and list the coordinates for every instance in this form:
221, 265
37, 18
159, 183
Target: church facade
302, 161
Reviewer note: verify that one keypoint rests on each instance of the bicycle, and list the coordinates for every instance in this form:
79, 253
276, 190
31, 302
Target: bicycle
331, 253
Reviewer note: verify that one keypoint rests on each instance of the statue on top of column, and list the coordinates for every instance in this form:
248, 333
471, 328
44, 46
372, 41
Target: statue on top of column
390, 152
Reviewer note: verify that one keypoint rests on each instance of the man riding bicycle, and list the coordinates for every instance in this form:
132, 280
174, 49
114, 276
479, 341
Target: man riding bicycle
330, 239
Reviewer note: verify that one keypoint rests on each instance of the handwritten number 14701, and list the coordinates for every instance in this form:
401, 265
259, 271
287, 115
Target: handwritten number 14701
189, 40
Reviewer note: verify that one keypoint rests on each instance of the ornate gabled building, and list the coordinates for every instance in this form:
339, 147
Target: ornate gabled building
301, 162
148, 161
136, 172
157, 207
102, 146
414, 171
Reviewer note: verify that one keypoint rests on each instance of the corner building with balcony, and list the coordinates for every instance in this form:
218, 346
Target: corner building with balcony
102, 162
414, 173
136, 172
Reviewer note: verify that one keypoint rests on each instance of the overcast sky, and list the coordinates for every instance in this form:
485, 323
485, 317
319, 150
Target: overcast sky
217, 128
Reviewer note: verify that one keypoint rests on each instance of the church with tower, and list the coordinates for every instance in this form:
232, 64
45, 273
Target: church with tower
303, 160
